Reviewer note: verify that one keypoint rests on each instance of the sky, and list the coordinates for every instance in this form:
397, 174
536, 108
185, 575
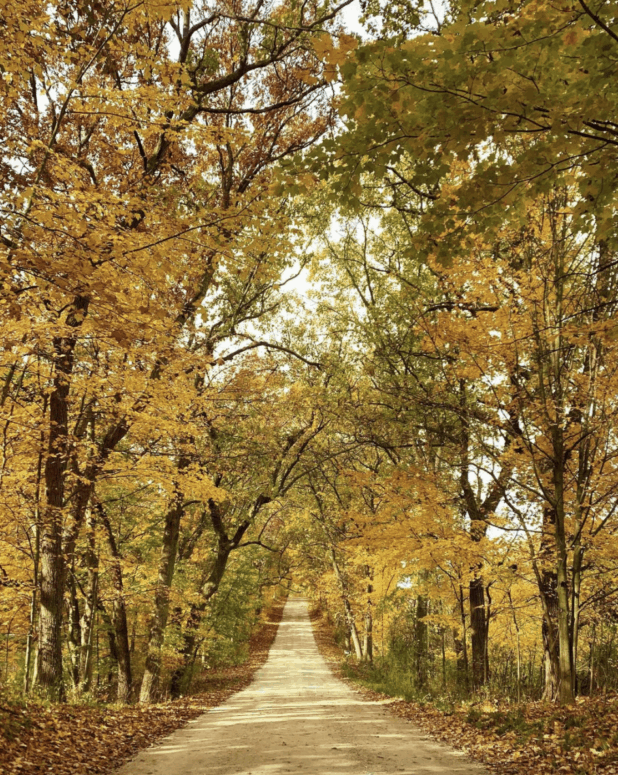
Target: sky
351, 15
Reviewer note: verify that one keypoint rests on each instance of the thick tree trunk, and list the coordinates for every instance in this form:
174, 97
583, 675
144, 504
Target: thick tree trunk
479, 631
550, 636
564, 636
121, 630
49, 674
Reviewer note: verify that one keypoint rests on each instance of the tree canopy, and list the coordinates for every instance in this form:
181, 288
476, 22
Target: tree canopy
286, 307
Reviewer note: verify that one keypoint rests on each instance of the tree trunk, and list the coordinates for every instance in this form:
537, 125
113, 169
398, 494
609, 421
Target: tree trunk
368, 634
575, 609
119, 613
207, 592
49, 674
479, 631
74, 627
461, 643
349, 615
547, 581
167, 563
358, 651
421, 642
160, 613
89, 614
558, 460
210, 587
562, 588
550, 636
35, 569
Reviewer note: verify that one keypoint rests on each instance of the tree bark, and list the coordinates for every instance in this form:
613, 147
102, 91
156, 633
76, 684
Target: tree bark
461, 643
158, 622
89, 613
74, 629
36, 558
119, 613
189, 639
368, 634
49, 674
421, 641
478, 626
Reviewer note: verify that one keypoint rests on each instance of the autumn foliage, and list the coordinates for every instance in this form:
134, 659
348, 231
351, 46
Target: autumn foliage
425, 439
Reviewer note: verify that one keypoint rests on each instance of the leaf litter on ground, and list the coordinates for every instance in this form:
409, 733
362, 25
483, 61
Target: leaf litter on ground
82, 739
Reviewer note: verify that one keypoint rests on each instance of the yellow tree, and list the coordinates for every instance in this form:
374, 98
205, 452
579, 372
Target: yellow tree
129, 176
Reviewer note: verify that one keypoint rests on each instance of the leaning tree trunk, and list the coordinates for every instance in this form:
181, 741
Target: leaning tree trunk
158, 622
210, 586
160, 613
349, 615
208, 590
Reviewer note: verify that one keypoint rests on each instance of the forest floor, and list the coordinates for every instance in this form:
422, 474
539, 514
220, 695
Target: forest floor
531, 738
95, 739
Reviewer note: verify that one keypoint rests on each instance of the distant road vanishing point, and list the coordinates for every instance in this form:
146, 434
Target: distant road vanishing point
296, 717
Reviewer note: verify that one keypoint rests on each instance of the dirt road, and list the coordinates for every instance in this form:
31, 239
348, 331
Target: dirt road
297, 717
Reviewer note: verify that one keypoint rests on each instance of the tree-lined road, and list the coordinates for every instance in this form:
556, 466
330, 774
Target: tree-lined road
298, 718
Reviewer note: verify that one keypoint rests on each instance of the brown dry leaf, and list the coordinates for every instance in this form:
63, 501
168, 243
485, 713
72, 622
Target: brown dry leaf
86, 740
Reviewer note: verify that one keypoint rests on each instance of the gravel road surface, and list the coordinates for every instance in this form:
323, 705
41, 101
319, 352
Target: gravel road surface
296, 717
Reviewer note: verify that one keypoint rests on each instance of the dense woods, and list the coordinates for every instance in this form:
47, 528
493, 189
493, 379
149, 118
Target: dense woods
287, 307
